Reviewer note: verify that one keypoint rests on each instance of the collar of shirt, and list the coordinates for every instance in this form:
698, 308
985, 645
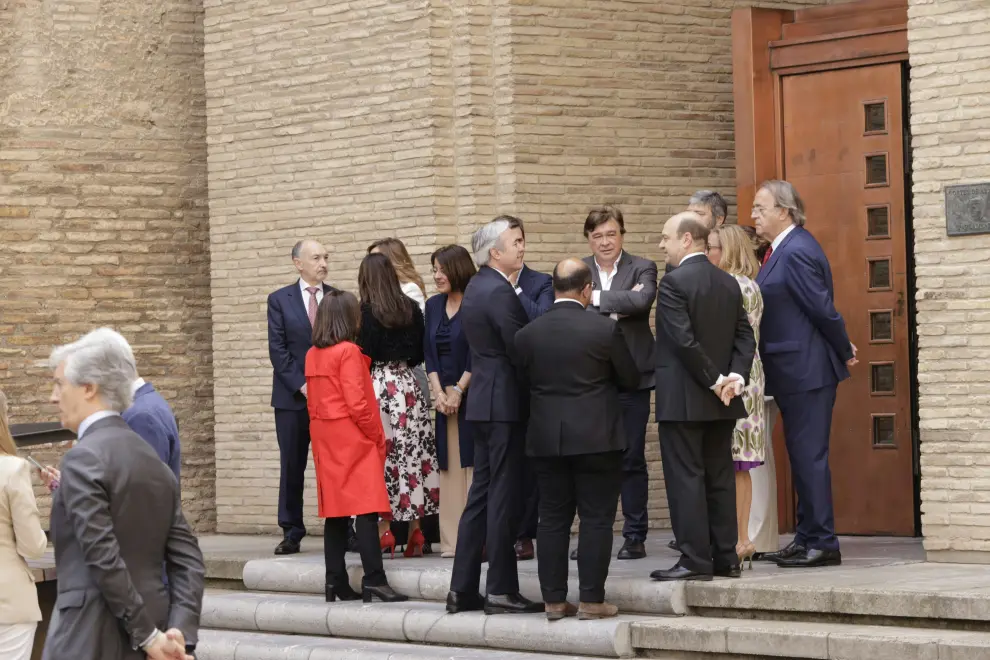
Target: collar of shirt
514, 286
572, 300
689, 255
303, 285
92, 419
138, 384
781, 236
615, 264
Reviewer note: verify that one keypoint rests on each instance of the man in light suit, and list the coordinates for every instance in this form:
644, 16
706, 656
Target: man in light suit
625, 287
291, 313
116, 518
497, 407
806, 353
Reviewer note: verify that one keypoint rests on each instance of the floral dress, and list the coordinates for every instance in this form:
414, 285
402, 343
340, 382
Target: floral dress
748, 441
411, 477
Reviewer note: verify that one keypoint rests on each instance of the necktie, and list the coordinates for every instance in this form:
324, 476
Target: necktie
312, 304
766, 257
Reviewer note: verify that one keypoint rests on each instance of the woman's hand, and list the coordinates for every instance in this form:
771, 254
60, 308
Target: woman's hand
454, 399
443, 406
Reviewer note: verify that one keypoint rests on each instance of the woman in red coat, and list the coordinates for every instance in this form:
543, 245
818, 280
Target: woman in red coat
348, 448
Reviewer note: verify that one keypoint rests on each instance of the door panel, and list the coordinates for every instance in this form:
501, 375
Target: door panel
843, 150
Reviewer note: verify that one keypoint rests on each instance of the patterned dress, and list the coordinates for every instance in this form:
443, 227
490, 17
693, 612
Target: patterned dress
411, 476
748, 439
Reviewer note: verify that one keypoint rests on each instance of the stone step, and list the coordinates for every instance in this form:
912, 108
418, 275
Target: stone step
429, 580
737, 638
416, 622
233, 645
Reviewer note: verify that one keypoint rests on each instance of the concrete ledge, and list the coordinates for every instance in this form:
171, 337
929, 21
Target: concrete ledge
227, 645
906, 590
416, 622
303, 575
820, 641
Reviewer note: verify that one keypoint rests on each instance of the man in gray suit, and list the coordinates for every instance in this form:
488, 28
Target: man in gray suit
116, 518
625, 288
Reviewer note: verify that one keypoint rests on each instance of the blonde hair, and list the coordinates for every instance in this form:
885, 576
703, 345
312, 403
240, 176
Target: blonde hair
738, 254
397, 253
7, 445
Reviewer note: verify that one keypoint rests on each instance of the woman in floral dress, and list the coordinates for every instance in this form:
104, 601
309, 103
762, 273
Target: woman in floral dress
392, 336
730, 248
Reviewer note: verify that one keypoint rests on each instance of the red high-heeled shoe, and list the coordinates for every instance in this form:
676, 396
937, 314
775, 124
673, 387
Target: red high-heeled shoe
388, 542
414, 547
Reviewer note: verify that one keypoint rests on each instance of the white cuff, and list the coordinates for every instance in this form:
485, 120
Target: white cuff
596, 298
151, 638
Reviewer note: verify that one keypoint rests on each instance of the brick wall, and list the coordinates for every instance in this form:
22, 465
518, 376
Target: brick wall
950, 125
422, 118
103, 206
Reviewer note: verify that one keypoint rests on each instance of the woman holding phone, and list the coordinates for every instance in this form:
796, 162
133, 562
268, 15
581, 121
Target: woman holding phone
21, 538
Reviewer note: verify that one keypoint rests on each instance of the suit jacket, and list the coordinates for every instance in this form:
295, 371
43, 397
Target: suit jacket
290, 336
491, 314
575, 363
803, 340
21, 537
116, 517
151, 417
633, 308
702, 333
459, 359
537, 292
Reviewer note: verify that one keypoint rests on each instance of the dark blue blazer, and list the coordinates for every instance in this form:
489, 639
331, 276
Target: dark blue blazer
803, 340
151, 417
290, 336
491, 314
461, 355
537, 292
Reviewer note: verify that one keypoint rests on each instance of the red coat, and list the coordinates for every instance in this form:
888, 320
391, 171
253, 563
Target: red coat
346, 432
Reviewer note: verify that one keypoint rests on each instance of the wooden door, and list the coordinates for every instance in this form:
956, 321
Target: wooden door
843, 149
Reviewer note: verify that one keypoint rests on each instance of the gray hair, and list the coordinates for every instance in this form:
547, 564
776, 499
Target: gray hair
297, 249
785, 196
715, 203
487, 238
102, 358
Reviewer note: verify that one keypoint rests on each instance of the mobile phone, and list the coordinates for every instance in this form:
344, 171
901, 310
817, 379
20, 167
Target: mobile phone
36, 464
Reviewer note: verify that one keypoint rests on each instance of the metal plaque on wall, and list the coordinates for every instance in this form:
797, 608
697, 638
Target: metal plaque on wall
967, 209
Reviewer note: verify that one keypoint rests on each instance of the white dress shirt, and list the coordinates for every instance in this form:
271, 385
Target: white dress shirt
606, 280
780, 237
517, 289
305, 294
92, 419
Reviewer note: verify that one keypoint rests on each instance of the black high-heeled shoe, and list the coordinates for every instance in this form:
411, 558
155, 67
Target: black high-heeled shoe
384, 593
333, 594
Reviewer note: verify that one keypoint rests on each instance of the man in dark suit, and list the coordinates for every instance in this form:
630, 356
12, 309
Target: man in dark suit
497, 406
625, 287
574, 364
705, 349
291, 312
536, 298
152, 418
806, 353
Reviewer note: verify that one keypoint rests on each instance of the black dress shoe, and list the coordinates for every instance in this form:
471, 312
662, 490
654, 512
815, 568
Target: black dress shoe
333, 594
574, 554
679, 572
733, 571
812, 558
383, 592
792, 549
458, 602
672, 544
524, 549
632, 550
287, 547
511, 604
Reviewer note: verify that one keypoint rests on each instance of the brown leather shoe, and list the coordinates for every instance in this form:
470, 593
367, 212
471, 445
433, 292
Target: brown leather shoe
596, 611
524, 549
557, 611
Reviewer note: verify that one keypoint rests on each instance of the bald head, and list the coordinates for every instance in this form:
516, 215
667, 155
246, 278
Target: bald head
683, 234
572, 279
310, 259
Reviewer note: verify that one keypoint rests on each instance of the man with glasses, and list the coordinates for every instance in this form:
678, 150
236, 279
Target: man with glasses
806, 353
625, 288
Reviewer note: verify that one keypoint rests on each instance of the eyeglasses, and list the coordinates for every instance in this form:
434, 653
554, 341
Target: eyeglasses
759, 210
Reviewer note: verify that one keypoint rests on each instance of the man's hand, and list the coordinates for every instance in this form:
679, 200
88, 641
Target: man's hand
50, 477
852, 362
165, 647
731, 387
302, 391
